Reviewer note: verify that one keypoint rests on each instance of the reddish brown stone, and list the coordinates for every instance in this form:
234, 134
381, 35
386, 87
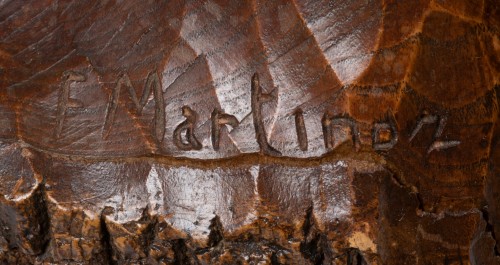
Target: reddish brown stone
348, 132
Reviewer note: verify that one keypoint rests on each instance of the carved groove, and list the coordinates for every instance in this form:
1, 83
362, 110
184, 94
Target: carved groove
153, 82
98, 166
258, 98
187, 126
300, 127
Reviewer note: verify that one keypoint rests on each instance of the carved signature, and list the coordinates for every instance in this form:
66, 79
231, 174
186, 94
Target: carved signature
185, 137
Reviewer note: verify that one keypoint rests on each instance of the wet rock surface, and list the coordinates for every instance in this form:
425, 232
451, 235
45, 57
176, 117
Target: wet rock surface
249, 132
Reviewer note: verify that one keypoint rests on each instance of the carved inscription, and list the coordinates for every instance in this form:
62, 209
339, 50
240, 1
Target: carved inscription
330, 121
219, 119
437, 145
300, 126
384, 134
187, 126
152, 85
65, 101
258, 98
392, 135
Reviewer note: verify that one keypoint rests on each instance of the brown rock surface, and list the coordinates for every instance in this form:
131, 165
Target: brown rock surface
349, 132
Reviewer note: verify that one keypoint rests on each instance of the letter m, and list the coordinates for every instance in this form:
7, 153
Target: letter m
152, 86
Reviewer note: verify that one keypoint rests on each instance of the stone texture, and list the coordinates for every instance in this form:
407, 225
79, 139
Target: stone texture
351, 132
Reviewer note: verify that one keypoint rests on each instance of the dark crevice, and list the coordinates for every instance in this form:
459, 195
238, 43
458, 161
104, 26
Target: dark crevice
274, 259
306, 227
149, 234
201, 251
311, 248
106, 238
214, 238
181, 256
216, 232
490, 229
40, 220
354, 257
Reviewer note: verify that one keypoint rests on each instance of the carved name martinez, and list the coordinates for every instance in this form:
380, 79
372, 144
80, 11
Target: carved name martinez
384, 134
